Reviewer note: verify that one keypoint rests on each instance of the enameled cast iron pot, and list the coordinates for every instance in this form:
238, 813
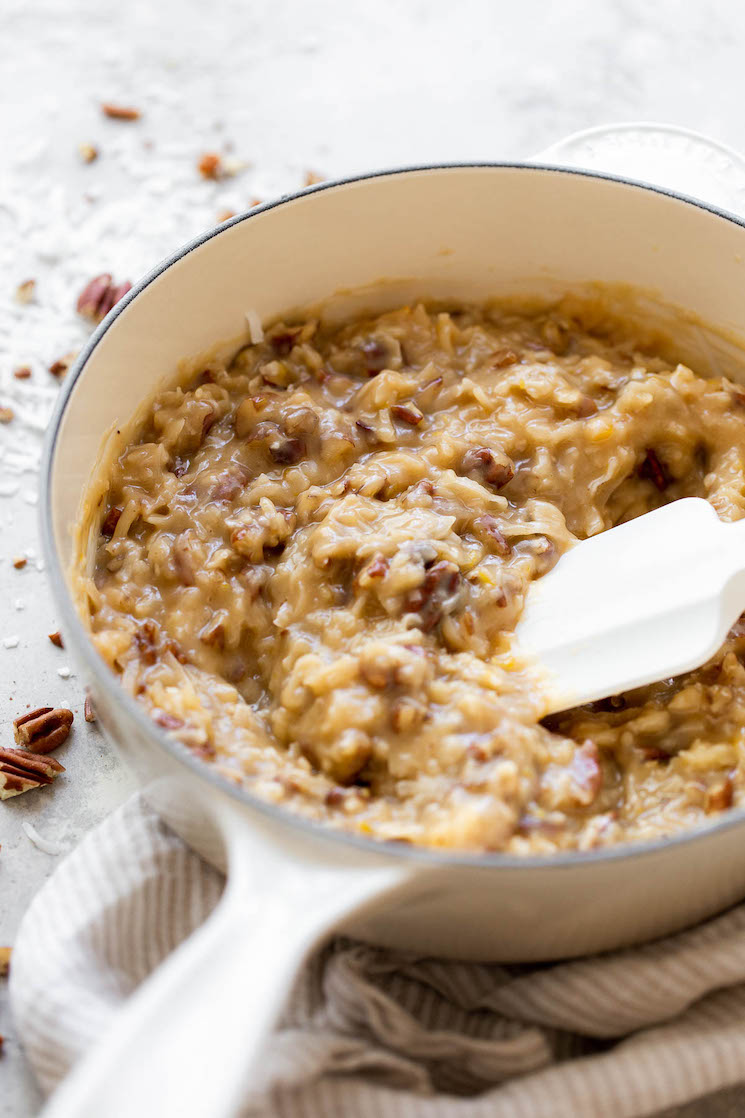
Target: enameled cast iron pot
184, 1042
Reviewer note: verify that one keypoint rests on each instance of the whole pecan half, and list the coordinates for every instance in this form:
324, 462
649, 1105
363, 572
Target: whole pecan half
43, 729
21, 770
99, 296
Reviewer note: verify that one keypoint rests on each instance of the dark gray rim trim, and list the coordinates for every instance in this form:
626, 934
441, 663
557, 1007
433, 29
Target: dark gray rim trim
180, 753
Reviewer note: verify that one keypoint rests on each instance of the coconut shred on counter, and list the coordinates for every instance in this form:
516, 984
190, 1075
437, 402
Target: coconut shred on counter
311, 561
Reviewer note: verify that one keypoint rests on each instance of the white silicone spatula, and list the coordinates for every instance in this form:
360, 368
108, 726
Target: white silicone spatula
636, 604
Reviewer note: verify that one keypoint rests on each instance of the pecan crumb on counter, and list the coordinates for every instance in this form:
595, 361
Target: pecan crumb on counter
25, 291
210, 166
56, 639
20, 562
61, 366
23, 372
120, 112
214, 166
6, 414
88, 712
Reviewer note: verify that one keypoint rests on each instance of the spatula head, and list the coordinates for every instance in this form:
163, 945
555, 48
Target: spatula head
639, 603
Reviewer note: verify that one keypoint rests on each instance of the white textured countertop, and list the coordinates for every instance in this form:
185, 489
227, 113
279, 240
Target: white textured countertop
334, 86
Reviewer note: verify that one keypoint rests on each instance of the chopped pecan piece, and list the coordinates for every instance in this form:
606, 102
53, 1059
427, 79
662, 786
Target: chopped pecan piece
720, 794
23, 372
407, 413
482, 464
19, 562
99, 296
146, 639
168, 721
179, 466
503, 357
119, 112
378, 567
110, 521
208, 422
653, 470
654, 753
436, 596
43, 729
283, 341
6, 414
56, 639
286, 452
88, 152
213, 634
335, 796
177, 651
88, 712
21, 770
378, 354
229, 485
488, 528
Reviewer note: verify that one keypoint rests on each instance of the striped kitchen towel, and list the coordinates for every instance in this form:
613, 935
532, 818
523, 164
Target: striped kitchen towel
374, 1034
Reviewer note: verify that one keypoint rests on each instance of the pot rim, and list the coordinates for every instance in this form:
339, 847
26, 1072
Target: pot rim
83, 646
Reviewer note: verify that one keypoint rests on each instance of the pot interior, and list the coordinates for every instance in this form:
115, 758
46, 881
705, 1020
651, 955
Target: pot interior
460, 233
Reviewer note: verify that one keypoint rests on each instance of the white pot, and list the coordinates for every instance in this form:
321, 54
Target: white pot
184, 1043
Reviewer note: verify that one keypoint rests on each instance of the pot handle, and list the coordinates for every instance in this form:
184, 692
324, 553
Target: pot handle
659, 154
185, 1042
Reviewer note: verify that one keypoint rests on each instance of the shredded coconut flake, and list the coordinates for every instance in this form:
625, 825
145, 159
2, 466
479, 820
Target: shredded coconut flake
47, 845
255, 330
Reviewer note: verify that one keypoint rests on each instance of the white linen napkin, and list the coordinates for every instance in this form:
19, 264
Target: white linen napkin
375, 1034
